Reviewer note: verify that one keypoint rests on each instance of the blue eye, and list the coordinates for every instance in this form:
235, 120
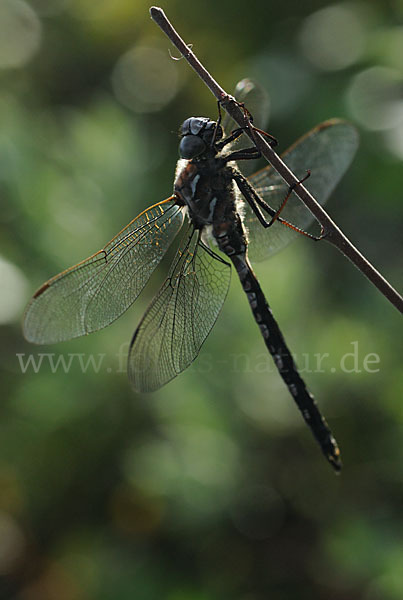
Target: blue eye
191, 146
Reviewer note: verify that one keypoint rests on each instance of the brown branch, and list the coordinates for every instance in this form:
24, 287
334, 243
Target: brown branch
331, 232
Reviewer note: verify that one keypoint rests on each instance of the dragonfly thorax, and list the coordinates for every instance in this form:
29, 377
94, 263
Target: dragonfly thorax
206, 187
198, 136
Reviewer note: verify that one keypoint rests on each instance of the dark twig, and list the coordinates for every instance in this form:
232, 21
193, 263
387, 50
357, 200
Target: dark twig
331, 233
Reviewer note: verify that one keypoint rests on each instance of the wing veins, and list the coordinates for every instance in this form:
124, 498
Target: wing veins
114, 265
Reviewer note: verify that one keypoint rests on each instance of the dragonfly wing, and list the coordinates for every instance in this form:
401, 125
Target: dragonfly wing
256, 100
98, 290
180, 317
327, 151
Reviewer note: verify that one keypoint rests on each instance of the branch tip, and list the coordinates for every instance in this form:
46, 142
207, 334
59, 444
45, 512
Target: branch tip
155, 11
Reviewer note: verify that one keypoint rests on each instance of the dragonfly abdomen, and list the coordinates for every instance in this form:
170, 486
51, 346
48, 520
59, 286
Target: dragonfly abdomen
283, 360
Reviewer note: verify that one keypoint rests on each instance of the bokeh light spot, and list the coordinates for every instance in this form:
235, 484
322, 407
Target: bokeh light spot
394, 140
145, 79
333, 38
374, 98
20, 33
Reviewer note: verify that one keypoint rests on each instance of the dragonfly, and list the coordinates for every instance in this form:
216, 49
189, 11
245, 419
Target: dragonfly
218, 217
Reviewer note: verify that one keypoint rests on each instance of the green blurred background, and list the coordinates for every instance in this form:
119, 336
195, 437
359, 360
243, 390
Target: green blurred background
213, 488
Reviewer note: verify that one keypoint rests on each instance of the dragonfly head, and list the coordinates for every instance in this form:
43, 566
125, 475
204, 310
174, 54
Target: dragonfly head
198, 135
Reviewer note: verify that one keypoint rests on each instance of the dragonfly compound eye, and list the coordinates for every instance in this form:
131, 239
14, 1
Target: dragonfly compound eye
193, 125
191, 146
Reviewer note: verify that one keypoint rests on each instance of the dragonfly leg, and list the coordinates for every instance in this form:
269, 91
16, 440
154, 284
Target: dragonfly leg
284, 202
245, 154
234, 135
257, 203
249, 118
252, 198
240, 155
217, 124
272, 140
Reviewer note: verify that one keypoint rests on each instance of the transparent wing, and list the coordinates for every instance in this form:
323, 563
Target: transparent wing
256, 100
98, 290
180, 317
327, 150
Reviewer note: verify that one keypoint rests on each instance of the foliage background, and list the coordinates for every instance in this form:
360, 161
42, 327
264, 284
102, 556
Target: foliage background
211, 489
